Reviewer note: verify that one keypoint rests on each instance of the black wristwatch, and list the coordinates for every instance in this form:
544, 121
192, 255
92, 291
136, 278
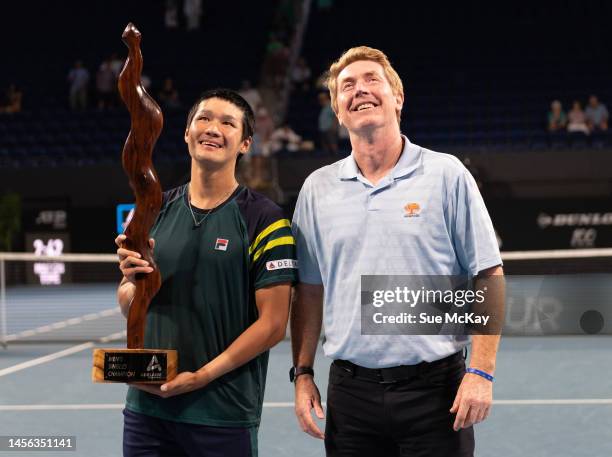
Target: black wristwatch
297, 371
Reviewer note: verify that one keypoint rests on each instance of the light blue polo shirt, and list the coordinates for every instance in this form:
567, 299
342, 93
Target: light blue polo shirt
426, 217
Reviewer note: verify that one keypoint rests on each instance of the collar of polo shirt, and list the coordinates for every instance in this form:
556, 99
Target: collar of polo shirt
409, 161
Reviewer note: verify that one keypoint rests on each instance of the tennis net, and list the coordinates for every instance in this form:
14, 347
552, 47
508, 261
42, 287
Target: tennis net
54, 299
72, 297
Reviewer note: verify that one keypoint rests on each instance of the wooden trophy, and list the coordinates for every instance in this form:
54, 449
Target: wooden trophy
135, 364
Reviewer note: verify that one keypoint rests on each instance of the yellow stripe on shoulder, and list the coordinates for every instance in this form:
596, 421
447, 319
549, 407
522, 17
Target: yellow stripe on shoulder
284, 240
269, 229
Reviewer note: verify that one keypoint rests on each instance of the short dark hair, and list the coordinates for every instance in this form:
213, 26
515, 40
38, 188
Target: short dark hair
248, 117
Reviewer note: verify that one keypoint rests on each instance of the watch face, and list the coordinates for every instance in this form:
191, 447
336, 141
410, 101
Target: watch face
292, 374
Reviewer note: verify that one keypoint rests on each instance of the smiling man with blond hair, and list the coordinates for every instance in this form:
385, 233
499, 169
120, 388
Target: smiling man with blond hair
390, 208
365, 54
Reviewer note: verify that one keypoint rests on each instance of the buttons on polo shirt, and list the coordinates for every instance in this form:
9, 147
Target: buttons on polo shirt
373, 202
375, 194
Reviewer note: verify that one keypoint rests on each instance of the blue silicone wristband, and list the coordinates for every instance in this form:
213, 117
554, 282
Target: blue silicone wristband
480, 373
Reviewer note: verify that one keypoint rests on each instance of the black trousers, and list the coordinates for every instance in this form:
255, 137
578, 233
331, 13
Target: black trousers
408, 418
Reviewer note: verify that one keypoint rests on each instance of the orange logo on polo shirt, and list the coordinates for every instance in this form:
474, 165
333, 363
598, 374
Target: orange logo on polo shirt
412, 210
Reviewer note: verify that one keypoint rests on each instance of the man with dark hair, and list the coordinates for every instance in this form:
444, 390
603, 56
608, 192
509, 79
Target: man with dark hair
227, 260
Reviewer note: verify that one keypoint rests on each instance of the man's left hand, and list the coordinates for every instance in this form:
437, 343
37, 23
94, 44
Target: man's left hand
183, 383
473, 401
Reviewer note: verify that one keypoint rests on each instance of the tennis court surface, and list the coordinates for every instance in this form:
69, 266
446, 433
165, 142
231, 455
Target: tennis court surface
553, 398
553, 394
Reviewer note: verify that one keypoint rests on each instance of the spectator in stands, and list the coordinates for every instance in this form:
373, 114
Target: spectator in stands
301, 74
275, 45
171, 14
250, 94
596, 115
577, 119
12, 102
275, 61
105, 85
285, 18
169, 96
254, 174
284, 139
328, 125
78, 77
260, 150
557, 119
193, 14
264, 126
146, 82
116, 64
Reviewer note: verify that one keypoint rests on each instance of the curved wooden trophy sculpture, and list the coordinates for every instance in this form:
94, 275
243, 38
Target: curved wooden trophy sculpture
136, 364
147, 122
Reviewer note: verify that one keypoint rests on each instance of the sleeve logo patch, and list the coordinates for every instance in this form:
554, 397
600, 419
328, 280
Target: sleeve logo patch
281, 264
221, 244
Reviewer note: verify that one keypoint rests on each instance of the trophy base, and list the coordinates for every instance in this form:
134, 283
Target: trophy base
148, 366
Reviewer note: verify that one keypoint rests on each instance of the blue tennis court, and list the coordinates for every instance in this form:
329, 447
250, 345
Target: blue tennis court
552, 399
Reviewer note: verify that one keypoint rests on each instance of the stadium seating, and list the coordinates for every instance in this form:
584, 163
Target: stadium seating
482, 95
47, 133
476, 77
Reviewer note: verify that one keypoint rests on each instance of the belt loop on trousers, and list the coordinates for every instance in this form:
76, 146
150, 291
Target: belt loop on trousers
349, 368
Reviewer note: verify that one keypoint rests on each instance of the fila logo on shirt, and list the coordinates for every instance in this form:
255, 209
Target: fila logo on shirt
412, 210
221, 244
280, 264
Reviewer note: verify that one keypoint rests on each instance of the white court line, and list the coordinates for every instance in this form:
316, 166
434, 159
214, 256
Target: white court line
61, 407
556, 401
62, 324
59, 354
46, 358
101, 406
114, 336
